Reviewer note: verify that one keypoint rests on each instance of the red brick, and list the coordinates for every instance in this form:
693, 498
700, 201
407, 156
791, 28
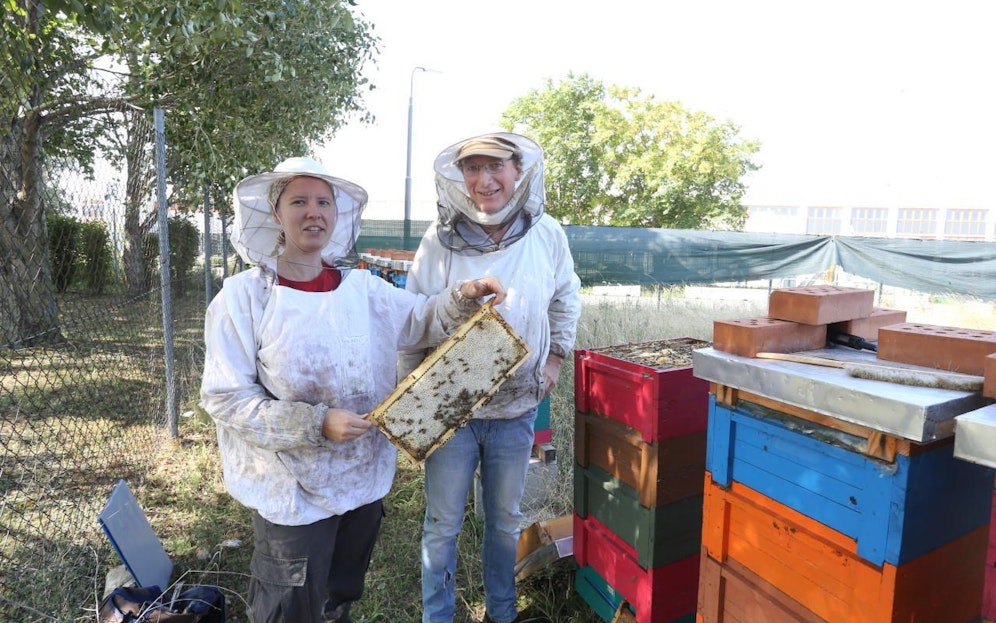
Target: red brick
817, 305
934, 346
867, 328
989, 382
749, 336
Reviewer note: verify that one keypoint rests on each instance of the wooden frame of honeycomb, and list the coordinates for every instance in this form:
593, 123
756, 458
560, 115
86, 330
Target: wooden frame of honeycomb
442, 393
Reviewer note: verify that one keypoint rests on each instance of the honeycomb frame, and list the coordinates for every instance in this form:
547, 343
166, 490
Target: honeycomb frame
445, 390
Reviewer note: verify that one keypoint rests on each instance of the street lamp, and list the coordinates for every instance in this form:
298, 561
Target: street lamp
408, 163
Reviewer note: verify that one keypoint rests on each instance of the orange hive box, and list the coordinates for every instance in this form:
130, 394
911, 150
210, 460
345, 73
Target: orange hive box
749, 336
819, 568
934, 346
731, 593
817, 305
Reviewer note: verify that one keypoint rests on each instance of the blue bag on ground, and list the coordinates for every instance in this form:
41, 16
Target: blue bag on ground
199, 604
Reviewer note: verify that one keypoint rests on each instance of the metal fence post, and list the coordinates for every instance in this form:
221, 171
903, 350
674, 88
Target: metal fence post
171, 406
224, 248
207, 247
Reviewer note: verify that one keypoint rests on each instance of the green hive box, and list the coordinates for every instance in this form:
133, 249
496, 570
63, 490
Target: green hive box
659, 534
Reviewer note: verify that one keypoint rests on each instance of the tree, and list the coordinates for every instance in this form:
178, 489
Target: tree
617, 157
243, 85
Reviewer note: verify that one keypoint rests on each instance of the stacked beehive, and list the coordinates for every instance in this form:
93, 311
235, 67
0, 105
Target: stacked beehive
818, 518
389, 264
639, 467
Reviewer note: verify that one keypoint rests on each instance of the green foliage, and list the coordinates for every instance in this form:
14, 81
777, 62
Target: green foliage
282, 74
617, 157
184, 246
244, 85
63, 239
96, 256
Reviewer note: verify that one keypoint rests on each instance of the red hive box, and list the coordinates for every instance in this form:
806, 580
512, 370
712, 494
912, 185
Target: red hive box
647, 386
658, 595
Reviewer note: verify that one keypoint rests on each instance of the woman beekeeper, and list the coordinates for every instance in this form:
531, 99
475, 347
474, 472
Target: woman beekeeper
296, 349
491, 222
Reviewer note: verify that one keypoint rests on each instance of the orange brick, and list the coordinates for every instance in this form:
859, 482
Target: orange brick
946, 348
749, 336
989, 382
816, 305
867, 328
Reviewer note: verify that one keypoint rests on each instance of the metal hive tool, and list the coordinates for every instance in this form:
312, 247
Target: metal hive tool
443, 392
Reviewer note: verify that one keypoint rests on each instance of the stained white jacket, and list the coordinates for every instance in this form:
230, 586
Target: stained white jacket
542, 302
276, 358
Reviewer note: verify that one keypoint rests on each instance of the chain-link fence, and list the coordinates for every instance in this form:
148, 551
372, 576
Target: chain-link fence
90, 381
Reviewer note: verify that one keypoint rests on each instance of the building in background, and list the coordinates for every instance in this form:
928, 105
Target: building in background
895, 222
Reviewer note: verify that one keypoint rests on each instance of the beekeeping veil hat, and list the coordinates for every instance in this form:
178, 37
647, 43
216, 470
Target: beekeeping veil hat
458, 212
255, 232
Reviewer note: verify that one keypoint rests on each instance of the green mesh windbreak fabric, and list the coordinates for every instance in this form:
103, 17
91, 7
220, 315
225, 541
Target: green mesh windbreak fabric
627, 255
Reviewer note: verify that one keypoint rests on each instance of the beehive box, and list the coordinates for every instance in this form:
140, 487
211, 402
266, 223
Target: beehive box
989, 595
597, 592
732, 593
542, 433
658, 535
658, 595
661, 471
819, 567
443, 392
894, 511
648, 386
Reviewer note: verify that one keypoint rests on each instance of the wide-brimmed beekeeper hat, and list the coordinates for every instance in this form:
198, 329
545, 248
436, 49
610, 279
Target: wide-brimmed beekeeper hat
255, 231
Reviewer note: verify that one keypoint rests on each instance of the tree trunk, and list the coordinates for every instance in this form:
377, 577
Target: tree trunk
28, 306
140, 175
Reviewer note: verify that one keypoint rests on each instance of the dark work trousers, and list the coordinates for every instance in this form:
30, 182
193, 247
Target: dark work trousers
312, 573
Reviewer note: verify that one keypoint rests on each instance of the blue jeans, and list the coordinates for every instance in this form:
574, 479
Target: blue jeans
502, 449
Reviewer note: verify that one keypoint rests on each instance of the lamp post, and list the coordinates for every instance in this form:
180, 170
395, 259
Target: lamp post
408, 163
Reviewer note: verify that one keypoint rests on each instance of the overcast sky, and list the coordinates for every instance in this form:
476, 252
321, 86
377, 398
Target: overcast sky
872, 103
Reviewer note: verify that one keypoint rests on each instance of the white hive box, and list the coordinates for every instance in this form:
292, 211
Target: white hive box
443, 392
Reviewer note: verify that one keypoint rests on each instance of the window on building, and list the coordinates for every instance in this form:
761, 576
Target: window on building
965, 223
772, 211
869, 221
823, 221
917, 222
